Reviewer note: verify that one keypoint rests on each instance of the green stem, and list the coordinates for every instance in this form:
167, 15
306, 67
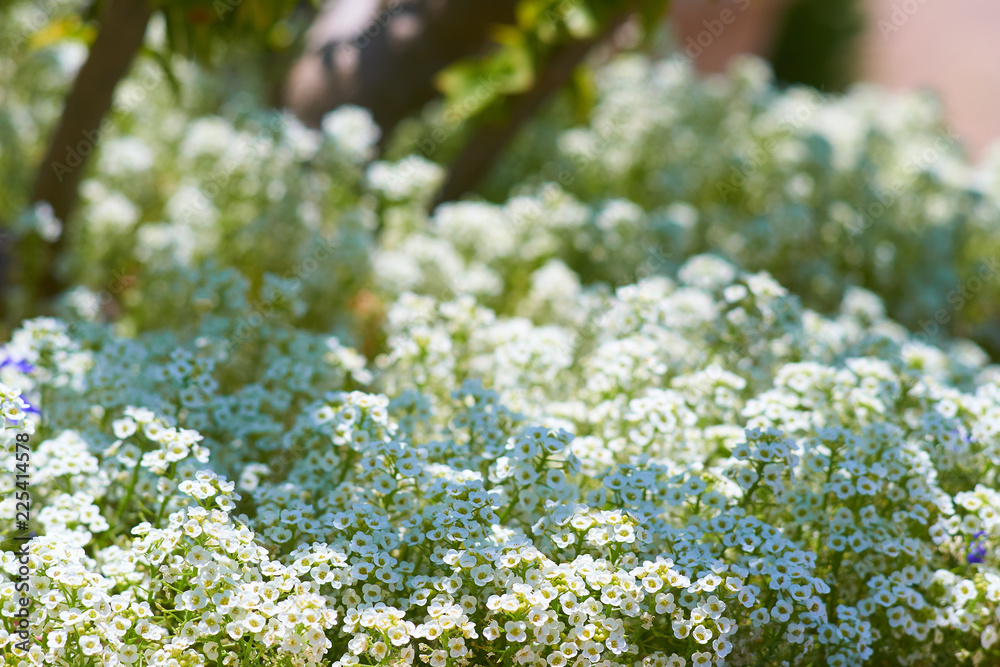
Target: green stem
750, 491
127, 498
163, 507
348, 461
510, 507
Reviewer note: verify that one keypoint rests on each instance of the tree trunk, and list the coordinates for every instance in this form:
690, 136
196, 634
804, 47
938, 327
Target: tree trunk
384, 56
489, 140
121, 32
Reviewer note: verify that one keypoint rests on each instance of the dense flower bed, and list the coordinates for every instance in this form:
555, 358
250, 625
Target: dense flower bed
866, 189
288, 417
707, 474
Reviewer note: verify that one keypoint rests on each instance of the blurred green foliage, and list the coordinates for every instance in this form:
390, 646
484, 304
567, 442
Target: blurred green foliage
817, 43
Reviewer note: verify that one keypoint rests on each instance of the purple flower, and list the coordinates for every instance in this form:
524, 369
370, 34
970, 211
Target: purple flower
24, 367
977, 550
21, 365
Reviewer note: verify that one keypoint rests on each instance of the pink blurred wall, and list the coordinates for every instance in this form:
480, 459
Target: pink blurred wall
950, 46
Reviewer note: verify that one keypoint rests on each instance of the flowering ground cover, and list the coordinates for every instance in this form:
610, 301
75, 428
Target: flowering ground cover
631, 409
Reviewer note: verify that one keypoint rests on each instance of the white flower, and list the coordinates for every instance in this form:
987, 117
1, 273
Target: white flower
352, 130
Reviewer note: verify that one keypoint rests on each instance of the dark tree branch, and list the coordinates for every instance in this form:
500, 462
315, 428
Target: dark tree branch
384, 56
122, 28
489, 140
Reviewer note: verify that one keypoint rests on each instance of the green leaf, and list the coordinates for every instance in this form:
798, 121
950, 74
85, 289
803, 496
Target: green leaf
512, 68
70, 28
651, 13
581, 22
583, 92
166, 68
528, 11
460, 77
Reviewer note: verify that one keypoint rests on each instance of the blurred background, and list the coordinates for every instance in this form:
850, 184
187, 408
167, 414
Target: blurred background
950, 48
142, 142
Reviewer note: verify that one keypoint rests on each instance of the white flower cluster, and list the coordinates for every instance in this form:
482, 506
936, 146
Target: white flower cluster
708, 475
823, 193
548, 432
194, 592
866, 189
